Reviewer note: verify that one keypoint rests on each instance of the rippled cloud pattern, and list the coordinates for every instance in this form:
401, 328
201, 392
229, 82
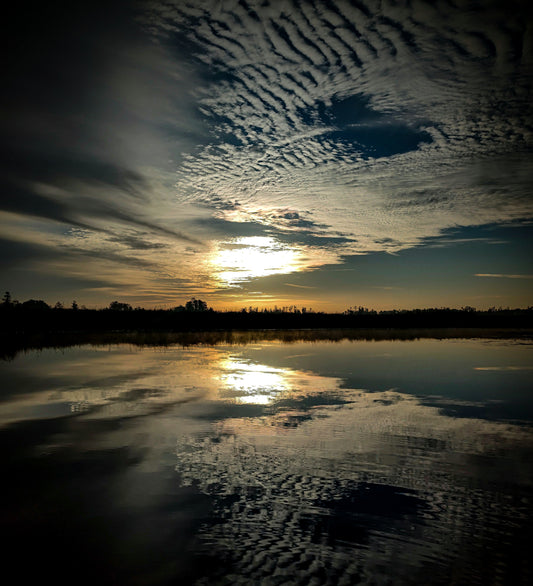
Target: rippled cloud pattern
359, 119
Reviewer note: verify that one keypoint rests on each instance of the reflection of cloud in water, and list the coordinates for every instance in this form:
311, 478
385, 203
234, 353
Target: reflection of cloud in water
105, 382
378, 477
126, 382
308, 478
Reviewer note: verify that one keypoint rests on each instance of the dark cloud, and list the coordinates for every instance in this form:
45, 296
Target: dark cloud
226, 229
308, 232
16, 254
297, 220
512, 234
107, 255
78, 119
137, 242
312, 238
77, 209
25, 271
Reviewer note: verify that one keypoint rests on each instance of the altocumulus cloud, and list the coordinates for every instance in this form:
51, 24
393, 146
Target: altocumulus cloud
367, 119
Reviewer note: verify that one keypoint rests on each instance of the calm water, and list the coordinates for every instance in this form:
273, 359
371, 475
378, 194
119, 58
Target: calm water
347, 462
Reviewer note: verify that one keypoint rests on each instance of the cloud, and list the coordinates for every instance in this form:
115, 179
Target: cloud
93, 150
137, 242
14, 254
299, 286
371, 119
502, 276
499, 368
91, 204
144, 135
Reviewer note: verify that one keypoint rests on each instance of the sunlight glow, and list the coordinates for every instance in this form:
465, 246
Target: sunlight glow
242, 259
253, 383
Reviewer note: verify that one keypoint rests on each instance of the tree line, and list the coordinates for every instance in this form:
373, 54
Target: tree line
35, 315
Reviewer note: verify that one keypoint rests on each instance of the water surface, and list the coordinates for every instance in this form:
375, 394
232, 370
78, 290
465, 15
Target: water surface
326, 462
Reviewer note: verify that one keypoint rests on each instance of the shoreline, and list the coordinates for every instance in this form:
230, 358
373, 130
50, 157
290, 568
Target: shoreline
13, 343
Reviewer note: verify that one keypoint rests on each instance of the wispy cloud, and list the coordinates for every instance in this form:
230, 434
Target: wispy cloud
299, 286
503, 276
499, 368
90, 172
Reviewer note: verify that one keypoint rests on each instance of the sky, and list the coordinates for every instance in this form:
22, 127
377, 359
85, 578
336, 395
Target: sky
320, 153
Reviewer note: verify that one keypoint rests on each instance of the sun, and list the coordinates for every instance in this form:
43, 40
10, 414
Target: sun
243, 259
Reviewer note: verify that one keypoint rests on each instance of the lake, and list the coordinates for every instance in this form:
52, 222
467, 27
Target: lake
265, 460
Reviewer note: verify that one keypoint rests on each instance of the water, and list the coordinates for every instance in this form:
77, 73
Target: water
325, 462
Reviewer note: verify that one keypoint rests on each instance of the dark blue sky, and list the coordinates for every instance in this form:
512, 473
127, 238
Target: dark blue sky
319, 153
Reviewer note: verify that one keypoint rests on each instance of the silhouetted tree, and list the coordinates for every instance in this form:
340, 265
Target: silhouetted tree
117, 306
6, 299
196, 305
35, 304
74, 305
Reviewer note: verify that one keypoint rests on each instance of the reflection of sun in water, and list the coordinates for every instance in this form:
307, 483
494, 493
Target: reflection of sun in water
242, 259
253, 383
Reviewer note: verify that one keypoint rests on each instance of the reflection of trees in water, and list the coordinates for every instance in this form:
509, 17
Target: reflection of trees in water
11, 344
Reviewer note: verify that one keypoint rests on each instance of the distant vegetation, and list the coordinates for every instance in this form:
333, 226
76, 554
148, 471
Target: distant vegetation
34, 315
